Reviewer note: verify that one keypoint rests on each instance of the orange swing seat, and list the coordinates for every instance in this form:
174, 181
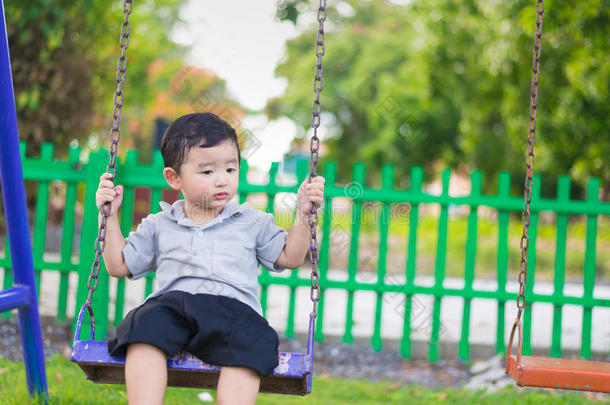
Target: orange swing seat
569, 374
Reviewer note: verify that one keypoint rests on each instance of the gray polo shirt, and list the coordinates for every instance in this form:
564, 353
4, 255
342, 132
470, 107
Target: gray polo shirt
219, 258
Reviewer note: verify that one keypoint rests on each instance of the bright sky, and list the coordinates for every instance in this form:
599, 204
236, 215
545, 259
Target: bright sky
241, 42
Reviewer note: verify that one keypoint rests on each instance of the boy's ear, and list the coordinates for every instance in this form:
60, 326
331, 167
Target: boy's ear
172, 178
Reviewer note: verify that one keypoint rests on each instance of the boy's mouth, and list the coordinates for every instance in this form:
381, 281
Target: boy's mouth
220, 196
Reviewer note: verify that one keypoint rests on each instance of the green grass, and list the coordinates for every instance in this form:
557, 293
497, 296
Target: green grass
487, 245
68, 386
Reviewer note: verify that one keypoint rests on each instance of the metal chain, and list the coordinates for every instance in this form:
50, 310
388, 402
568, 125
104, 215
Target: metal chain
531, 139
115, 134
314, 145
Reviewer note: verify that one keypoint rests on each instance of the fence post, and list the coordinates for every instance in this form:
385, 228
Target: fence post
265, 277
589, 270
471, 254
439, 271
417, 179
243, 180
502, 259
531, 266
41, 216
563, 196
356, 188
67, 236
387, 184
89, 231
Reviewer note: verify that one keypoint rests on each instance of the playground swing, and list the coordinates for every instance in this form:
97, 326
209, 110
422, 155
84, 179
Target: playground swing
293, 375
581, 375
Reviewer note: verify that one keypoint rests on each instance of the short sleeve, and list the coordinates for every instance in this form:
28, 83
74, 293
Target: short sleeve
140, 249
270, 241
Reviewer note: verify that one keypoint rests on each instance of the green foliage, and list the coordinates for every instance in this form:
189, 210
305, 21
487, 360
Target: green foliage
289, 10
434, 80
67, 385
51, 69
64, 60
64, 57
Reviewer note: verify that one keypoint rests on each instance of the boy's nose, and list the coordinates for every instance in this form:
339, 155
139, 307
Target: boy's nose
221, 181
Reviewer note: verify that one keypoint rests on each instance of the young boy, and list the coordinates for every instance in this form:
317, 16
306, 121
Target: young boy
205, 251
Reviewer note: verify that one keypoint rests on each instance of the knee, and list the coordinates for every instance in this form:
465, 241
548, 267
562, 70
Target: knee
145, 351
238, 385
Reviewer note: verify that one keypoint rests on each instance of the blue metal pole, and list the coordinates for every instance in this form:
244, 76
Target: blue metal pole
15, 297
15, 210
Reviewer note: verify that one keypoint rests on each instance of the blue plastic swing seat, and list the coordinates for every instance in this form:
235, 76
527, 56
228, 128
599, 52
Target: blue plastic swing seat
291, 376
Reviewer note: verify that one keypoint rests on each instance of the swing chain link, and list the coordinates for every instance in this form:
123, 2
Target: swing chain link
531, 139
115, 134
314, 146
529, 161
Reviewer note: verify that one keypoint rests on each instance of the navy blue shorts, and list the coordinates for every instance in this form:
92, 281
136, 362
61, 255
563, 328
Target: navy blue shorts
218, 330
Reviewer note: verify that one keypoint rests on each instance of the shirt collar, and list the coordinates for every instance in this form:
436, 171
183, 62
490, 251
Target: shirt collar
176, 212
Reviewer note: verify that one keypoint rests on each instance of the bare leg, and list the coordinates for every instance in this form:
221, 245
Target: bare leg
238, 386
145, 374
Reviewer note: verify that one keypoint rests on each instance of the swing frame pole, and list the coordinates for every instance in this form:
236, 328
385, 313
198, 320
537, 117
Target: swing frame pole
23, 295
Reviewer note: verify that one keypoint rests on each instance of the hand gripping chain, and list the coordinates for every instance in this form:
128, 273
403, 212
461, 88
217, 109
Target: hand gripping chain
314, 145
115, 135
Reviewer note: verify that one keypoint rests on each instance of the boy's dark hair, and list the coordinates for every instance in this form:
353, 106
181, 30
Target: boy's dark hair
198, 129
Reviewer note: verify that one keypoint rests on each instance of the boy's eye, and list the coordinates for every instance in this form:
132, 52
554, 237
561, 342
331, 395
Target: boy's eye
207, 172
231, 170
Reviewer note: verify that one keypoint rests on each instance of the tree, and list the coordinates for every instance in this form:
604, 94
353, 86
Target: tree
449, 81
180, 90
64, 56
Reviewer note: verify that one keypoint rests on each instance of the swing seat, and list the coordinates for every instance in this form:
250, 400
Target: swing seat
545, 372
291, 376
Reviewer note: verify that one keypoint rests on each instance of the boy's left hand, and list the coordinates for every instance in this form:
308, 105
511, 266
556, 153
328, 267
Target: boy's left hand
310, 192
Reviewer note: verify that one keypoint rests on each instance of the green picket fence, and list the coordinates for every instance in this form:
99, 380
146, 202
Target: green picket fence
81, 181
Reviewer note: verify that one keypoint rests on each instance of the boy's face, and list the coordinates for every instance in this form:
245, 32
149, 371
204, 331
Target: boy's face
208, 178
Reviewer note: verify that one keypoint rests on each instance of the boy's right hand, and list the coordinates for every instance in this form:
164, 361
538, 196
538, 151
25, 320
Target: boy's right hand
108, 192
